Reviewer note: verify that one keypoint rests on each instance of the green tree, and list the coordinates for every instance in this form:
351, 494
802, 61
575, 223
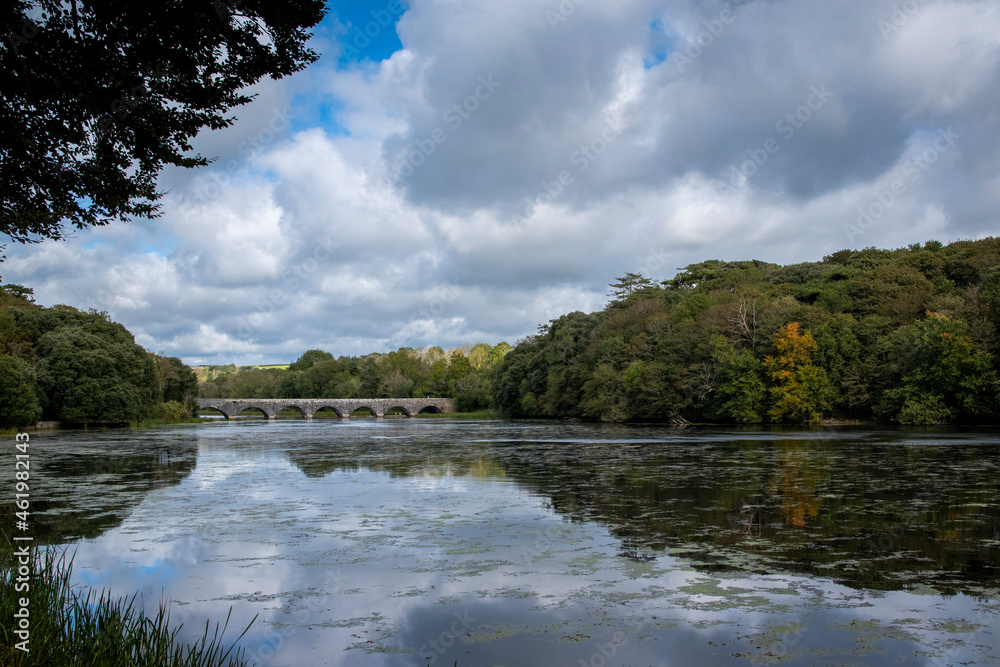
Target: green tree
473, 392
18, 399
627, 285
255, 383
321, 380
18, 292
177, 381
458, 368
742, 389
8, 330
498, 352
394, 384
944, 376
513, 384
88, 378
309, 359
604, 394
479, 356
436, 381
99, 96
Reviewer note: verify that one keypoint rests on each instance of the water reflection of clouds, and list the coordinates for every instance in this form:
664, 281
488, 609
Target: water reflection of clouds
380, 564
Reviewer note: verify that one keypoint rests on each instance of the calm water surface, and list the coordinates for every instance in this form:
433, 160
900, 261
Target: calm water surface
416, 542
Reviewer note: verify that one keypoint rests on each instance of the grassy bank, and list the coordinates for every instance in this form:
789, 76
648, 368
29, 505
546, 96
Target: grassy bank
72, 626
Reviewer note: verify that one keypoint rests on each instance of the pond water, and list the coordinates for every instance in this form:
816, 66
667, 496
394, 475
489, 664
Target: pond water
431, 542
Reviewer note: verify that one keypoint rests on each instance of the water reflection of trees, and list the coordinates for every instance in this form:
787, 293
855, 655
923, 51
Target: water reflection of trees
83, 488
879, 516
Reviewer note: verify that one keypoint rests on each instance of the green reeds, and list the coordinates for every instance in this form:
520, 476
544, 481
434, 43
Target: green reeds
88, 628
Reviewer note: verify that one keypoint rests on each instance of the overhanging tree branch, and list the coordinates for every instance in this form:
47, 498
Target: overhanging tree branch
97, 97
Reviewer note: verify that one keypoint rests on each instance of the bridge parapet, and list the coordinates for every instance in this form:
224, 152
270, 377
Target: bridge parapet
270, 407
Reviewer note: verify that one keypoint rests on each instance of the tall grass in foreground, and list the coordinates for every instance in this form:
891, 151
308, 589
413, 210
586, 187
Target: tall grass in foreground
88, 628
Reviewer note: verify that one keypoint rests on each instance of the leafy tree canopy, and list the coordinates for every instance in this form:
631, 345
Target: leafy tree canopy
309, 359
96, 97
910, 335
87, 378
18, 401
81, 368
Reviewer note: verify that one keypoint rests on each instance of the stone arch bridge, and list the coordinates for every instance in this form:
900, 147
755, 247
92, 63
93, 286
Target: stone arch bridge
307, 407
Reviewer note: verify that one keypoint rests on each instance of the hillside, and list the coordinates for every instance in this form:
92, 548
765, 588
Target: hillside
906, 336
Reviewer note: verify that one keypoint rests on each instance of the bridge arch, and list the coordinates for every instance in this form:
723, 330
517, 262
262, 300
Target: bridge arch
298, 408
221, 411
253, 408
326, 406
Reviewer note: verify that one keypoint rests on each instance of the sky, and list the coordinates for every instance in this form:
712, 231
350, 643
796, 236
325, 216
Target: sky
460, 171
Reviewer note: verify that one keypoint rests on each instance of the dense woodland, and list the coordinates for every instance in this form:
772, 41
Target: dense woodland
81, 368
906, 336
465, 374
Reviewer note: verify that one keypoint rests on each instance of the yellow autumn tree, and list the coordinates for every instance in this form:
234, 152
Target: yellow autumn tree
799, 388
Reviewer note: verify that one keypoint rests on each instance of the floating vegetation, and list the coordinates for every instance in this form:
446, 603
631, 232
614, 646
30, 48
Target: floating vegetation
495, 541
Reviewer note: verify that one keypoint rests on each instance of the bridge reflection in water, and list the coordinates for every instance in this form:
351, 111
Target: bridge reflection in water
270, 407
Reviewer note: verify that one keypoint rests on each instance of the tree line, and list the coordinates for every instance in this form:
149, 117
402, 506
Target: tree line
465, 374
909, 336
903, 336
81, 368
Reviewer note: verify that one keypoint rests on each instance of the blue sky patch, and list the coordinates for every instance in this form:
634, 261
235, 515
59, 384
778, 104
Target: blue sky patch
312, 111
661, 44
367, 29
